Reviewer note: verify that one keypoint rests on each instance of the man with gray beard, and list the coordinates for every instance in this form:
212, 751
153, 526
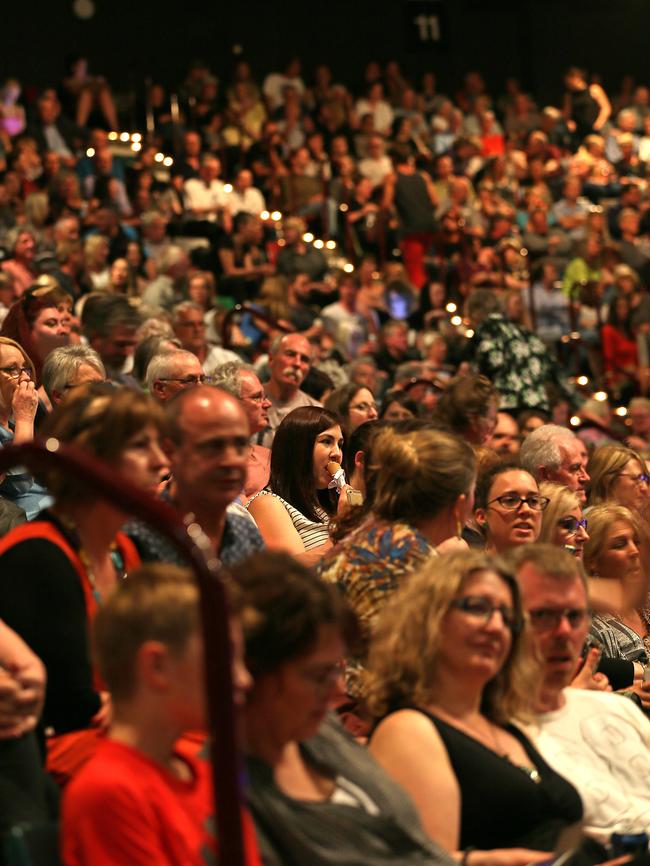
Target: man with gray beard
289, 361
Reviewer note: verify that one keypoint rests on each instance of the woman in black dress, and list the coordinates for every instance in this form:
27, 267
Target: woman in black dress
450, 677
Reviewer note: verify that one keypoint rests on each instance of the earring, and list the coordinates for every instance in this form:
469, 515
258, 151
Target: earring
459, 528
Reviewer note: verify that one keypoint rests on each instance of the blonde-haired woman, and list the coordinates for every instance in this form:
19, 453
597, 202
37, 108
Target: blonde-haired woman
449, 672
98, 274
563, 523
421, 484
618, 588
618, 475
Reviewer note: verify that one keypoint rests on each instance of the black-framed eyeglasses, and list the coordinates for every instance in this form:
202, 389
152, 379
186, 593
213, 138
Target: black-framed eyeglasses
548, 618
513, 502
641, 478
15, 372
482, 608
572, 524
187, 380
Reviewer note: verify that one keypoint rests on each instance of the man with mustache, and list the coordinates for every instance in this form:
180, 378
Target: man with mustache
290, 358
599, 740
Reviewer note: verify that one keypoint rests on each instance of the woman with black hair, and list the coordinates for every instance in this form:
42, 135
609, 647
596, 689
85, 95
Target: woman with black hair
293, 512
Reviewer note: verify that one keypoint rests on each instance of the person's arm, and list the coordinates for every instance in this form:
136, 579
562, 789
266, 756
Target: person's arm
279, 533
409, 748
275, 525
431, 190
41, 599
389, 192
22, 685
604, 105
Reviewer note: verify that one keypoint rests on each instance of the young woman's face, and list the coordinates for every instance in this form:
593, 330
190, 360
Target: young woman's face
51, 329
571, 531
327, 448
507, 526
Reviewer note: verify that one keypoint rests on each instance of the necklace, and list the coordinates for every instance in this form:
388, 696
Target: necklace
494, 744
117, 560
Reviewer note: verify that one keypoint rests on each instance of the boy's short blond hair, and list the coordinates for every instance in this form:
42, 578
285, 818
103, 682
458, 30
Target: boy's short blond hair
157, 602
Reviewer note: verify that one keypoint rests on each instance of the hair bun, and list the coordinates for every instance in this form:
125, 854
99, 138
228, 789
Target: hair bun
396, 455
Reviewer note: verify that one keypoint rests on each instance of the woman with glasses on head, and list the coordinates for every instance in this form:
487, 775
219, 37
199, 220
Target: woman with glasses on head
353, 404
18, 405
508, 507
449, 681
618, 588
563, 523
618, 476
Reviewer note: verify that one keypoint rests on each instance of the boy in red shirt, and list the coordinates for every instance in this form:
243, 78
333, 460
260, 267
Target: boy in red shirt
143, 799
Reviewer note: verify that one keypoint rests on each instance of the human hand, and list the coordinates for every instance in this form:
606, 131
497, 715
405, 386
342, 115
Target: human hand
507, 857
24, 402
587, 678
21, 700
104, 715
642, 691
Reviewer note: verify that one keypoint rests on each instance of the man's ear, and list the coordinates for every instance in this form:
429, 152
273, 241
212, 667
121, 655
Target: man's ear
543, 473
169, 448
158, 390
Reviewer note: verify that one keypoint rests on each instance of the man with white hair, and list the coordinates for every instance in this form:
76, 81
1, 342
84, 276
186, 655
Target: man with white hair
553, 453
68, 367
242, 382
171, 372
290, 358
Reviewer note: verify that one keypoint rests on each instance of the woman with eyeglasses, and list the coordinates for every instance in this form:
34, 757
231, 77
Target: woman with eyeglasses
450, 682
316, 796
354, 405
618, 475
508, 507
563, 523
18, 405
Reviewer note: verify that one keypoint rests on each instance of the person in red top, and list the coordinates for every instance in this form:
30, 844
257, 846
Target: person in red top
145, 797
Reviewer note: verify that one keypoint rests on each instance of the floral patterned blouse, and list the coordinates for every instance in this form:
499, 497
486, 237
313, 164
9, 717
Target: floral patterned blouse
369, 566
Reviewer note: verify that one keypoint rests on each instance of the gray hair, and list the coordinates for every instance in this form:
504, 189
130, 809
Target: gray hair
228, 376
170, 257
408, 370
179, 310
62, 363
164, 363
542, 448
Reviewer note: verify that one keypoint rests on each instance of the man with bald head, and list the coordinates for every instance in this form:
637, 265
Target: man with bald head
289, 362
207, 444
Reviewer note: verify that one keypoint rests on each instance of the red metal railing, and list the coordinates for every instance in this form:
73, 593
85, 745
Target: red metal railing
116, 489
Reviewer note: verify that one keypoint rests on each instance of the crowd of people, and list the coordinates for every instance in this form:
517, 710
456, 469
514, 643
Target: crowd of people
388, 349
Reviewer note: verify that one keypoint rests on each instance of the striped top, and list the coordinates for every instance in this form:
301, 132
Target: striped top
311, 534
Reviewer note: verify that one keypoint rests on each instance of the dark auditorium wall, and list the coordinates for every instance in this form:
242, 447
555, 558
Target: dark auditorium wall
532, 39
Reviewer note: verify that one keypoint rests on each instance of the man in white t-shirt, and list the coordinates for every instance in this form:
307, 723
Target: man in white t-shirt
598, 740
205, 196
377, 165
